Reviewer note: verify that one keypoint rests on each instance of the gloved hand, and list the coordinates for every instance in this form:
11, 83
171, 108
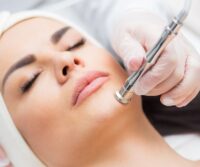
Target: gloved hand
174, 76
4, 161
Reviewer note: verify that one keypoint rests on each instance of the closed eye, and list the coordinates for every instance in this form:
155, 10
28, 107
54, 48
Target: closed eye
28, 84
80, 43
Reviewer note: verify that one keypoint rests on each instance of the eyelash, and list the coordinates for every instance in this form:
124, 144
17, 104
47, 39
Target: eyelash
27, 85
77, 45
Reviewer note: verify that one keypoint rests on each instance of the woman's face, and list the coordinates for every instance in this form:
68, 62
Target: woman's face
58, 87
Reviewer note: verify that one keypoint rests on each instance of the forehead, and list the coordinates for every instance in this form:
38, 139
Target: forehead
28, 35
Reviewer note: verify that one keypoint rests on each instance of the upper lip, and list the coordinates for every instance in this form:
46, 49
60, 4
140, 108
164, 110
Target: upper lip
84, 81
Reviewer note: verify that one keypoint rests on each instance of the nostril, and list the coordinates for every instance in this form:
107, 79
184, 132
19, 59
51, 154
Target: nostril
76, 61
64, 71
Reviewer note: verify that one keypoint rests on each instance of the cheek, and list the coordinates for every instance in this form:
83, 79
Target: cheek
40, 107
99, 58
38, 112
41, 125
35, 120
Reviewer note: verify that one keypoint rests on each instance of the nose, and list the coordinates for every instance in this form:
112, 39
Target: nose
65, 63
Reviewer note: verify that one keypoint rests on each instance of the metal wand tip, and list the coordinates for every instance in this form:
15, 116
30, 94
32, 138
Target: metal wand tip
121, 99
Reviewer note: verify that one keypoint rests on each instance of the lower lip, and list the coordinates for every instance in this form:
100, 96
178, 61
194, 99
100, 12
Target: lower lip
91, 88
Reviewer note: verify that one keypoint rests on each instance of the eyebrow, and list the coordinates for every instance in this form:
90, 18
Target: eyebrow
29, 59
56, 36
21, 63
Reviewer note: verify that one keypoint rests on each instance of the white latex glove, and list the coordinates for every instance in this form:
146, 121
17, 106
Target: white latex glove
4, 161
175, 75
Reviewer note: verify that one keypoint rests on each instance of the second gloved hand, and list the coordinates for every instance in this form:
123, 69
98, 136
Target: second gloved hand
174, 76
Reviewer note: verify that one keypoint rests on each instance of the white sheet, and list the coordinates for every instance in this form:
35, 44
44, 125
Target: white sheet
187, 145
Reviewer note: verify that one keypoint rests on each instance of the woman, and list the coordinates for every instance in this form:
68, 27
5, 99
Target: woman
58, 87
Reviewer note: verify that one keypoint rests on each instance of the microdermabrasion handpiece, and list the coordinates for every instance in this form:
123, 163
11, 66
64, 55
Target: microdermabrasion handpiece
126, 92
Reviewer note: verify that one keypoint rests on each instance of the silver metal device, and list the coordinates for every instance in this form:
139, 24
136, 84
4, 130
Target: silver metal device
125, 94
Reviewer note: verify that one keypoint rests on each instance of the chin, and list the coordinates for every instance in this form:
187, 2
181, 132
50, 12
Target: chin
102, 105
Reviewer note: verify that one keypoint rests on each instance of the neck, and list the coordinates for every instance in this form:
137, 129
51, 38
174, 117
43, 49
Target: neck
137, 144
134, 143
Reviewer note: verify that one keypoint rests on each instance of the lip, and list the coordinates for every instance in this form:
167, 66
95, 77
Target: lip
87, 85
